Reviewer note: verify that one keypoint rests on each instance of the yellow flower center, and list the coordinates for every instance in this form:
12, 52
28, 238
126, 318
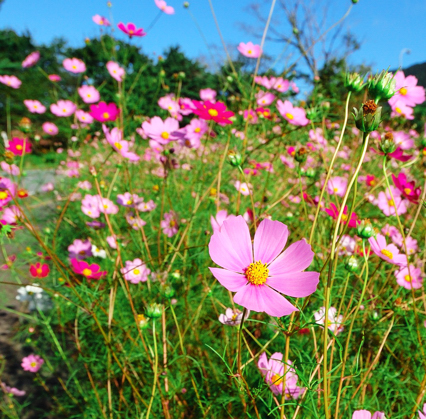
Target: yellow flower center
19, 147
118, 146
387, 253
105, 115
3, 195
403, 91
391, 203
289, 115
344, 217
165, 135
130, 32
397, 109
407, 191
33, 364
276, 379
172, 223
336, 189
257, 273
408, 278
249, 52
197, 129
213, 112
87, 272
74, 67
136, 271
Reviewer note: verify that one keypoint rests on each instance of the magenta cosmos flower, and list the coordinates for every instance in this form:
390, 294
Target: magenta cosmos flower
389, 253
408, 189
162, 5
39, 270
89, 271
50, 128
19, 145
11, 81
103, 112
256, 272
31, 59
34, 106
294, 116
213, 111
333, 212
32, 363
115, 70
135, 271
409, 278
89, 94
74, 65
63, 108
398, 154
101, 20
407, 90
365, 414
54, 77
131, 30
249, 50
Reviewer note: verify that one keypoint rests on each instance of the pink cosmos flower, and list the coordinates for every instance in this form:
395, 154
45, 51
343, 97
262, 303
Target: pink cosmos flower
251, 115
333, 212
11, 81
90, 207
390, 204
88, 271
19, 145
84, 117
12, 390
32, 363
112, 241
54, 77
409, 278
106, 206
217, 221
233, 317
50, 128
170, 224
257, 276
193, 133
276, 372
129, 200
185, 106
103, 112
403, 140
31, 59
399, 108
408, 189
398, 154
89, 94
294, 116
135, 271
208, 94
249, 50
39, 270
131, 30
80, 249
147, 206
265, 81
115, 139
10, 214
407, 90
115, 71
101, 21
334, 321
213, 111
281, 85
34, 106
162, 5
242, 188
135, 221
74, 65
389, 253
12, 169
63, 108
422, 415
365, 414
162, 131
337, 185
264, 98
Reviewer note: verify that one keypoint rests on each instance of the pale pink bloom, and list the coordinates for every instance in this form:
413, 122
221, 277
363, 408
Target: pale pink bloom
281, 85
101, 21
422, 415
162, 131
347, 245
84, 117
89, 94
47, 187
50, 128
170, 104
365, 414
170, 224
387, 252
112, 241
294, 115
249, 50
90, 207
136, 222
337, 185
294, 87
186, 106
34, 106
74, 65
31, 59
233, 317
32, 363
334, 321
243, 188
11, 81
208, 94
407, 90
115, 70
403, 140
317, 136
106, 206
12, 169
411, 278
217, 221
264, 98
401, 109
265, 81
85, 185
412, 246
162, 5
12, 390
193, 133
388, 205
63, 108
115, 139
135, 271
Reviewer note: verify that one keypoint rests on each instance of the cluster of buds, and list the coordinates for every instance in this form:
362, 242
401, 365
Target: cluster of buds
365, 230
354, 82
368, 117
234, 159
154, 311
382, 86
387, 144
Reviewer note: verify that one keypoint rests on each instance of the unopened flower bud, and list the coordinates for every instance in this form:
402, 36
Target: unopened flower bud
175, 275
382, 86
234, 159
295, 31
355, 1
354, 82
154, 310
186, 4
310, 172
352, 264
387, 144
368, 117
168, 291
143, 321
230, 79
365, 229
301, 155
181, 75
162, 73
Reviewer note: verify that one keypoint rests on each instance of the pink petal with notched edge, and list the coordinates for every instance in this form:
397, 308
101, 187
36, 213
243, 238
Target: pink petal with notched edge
262, 298
297, 257
230, 280
263, 364
269, 240
361, 414
231, 247
295, 284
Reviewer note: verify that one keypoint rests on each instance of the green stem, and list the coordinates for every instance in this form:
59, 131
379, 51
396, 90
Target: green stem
154, 385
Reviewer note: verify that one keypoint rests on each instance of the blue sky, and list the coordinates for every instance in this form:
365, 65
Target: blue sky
384, 27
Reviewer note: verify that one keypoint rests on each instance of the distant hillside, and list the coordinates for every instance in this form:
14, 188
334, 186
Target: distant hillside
418, 70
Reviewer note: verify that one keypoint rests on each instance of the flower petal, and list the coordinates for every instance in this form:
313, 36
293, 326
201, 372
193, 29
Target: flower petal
230, 280
231, 246
269, 240
295, 284
295, 258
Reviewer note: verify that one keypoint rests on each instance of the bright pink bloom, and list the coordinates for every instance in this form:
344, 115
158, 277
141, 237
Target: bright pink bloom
333, 212
135, 271
31, 59
89, 271
208, 94
162, 5
39, 270
115, 139
115, 70
251, 115
162, 131
63, 108
103, 112
398, 154
295, 116
54, 77
101, 21
337, 185
401, 109
422, 415
264, 98
50, 128
34, 106
19, 145
281, 85
89, 94
217, 221
32, 363
74, 65
276, 372
213, 111
256, 277
84, 117
170, 224
249, 50
407, 90
11, 81
264, 112
131, 30
365, 414
185, 106
389, 253
388, 203
409, 278
408, 189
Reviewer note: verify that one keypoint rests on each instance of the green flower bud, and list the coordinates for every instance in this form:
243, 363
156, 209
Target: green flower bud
382, 86
313, 114
352, 264
175, 275
186, 4
355, 1
154, 310
181, 75
162, 73
365, 229
168, 291
354, 82
295, 31
368, 117
230, 79
234, 159
387, 144
310, 172
301, 155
